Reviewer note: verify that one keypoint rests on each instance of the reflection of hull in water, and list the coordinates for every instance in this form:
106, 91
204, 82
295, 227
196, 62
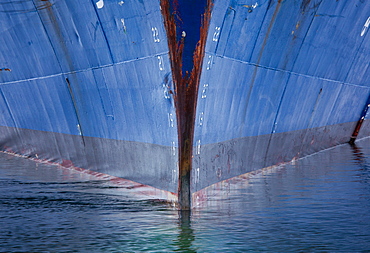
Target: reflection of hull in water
93, 84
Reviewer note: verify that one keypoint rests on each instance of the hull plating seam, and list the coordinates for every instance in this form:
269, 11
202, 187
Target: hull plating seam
83, 70
283, 70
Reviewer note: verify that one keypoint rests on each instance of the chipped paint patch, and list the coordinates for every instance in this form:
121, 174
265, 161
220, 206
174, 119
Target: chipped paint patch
253, 6
100, 4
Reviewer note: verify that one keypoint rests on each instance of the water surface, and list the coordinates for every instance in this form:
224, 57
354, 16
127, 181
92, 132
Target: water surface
318, 204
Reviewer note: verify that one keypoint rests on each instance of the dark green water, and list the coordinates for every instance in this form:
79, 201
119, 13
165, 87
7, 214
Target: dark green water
318, 204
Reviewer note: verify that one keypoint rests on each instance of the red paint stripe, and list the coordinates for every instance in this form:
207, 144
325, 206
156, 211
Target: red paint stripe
134, 189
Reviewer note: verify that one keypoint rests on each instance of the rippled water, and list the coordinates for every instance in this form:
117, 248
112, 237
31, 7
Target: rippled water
318, 204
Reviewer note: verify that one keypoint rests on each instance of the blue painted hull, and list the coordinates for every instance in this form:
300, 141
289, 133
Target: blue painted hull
280, 80
87, 87
89, 83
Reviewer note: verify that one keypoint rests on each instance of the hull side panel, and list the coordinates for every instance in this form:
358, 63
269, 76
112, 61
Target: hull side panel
275, 88
88, 85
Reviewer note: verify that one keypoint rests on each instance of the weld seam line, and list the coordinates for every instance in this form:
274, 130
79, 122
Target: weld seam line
85, 70
286, 71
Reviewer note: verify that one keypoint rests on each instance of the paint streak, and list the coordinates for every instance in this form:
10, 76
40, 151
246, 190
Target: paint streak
259, 58
75, 109
186, 92
52, 27
49, 17
304, 5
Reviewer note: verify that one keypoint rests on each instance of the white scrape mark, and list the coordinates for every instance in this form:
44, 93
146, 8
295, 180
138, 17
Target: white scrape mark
123, 24
100, 4
253, 6
121, 3
79, 129
366, 26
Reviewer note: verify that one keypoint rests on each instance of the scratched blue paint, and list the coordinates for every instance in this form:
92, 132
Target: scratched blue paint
116, 107
24, 39
75, 92
334, 42
5, 115
76, 37
107, 55
315, 103
275, 67
101, 69
36, 104
133, 29
75, 33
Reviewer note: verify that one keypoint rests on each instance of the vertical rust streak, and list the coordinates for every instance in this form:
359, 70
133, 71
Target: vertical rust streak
356, 131
186, 91
259, 58
359, 122
51, 18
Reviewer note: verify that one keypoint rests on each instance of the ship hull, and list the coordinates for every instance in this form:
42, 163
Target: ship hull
148, 164
280, 80
225, 160
86, 85
95, 85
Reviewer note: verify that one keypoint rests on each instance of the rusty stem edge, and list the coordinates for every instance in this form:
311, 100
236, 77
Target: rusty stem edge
185, 96
360, 121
